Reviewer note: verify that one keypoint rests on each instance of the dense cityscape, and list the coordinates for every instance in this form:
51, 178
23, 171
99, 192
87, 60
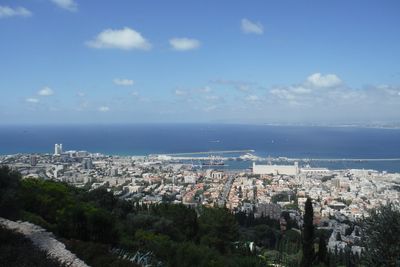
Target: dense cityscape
340, 197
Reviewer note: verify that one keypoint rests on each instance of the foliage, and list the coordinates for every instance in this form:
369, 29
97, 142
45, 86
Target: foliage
94, 223
292, 206
95, 254
322, 250
59, 204
9, 185
18, 251
308, 235
381, 235
218, 229
281, 197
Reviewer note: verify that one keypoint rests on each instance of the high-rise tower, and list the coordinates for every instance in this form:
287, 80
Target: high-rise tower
57, 149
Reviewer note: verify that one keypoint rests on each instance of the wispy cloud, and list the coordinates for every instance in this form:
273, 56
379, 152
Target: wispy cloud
205, 89
179, 92
32, 100
46, 91
210, 108
327, 95
252, 98
212, 97
69, 5
320, 80
83, 105
125, 39
242, 86
123, 82
104, 109
184, 44
6, 12
252, 27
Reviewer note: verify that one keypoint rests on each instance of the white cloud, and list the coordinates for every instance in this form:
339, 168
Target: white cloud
135, 93
205, 89
210, 108
125, 39
81, 94
282, 94
324, 81
180, 92
307, 93
83, 105
104, 109
46, 91
123, 82
300, 90
212, 97
184, 44
69, 5
252, 98
390, 90
242, 86
6, 12
252, 27
32, 100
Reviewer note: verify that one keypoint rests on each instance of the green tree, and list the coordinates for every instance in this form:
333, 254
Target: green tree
381, 236
308, 235
322, 251
9, 186
101, 226
72, 223
18, 251
218, 229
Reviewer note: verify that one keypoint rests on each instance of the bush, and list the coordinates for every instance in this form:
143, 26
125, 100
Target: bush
381, 236
9, 186
18, 251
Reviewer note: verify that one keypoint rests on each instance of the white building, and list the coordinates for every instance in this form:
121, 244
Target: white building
190, 179
114, 172
214, 174
87, 163
276, 169
57, 149
309, 170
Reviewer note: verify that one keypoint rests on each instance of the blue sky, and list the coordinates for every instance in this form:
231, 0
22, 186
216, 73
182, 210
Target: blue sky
91, 61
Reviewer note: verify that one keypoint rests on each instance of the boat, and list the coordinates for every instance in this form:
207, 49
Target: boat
249, 156
213, 161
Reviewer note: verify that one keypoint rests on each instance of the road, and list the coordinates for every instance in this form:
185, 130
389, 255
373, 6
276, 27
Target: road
225, 192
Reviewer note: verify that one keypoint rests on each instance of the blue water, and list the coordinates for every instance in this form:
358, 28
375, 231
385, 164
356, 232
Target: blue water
143, 139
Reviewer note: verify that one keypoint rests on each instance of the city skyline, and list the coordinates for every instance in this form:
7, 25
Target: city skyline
74, 61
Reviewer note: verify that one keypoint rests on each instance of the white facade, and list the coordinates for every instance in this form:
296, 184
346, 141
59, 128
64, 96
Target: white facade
217, 175
276, 169
314, 170
190, 179
57, 149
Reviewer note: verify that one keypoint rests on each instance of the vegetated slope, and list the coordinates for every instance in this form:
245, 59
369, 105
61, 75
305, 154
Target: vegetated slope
101, 229
44, 241
18, 251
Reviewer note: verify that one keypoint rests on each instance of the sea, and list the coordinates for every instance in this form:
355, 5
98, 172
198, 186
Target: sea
305, 142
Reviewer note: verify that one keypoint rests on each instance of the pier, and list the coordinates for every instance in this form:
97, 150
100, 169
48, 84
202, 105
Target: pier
212, 152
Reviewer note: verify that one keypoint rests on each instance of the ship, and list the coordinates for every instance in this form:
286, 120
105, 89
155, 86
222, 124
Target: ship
249, 156
213, 161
